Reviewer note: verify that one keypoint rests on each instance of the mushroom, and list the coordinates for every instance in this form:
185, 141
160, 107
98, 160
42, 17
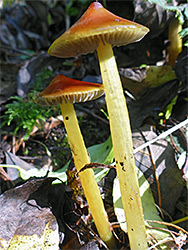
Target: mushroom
65, 91
98, 29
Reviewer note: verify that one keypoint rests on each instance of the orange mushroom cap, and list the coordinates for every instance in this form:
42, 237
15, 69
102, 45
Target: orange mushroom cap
70, 90
96, 24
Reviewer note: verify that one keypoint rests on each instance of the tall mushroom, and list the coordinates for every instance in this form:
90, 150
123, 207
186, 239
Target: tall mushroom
98, 29
65, 91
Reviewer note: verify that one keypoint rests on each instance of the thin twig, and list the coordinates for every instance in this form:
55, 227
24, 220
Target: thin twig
4, 175
160, 242
156, 177
4, 47
169, 225
91, 113
173, 144
155, 171
162, 135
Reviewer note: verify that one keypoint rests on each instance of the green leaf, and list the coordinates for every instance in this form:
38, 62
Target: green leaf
102, 153
35, 172
177, 9
181, 160
170, 107
186, 44
184, 32
25, 114
46, 148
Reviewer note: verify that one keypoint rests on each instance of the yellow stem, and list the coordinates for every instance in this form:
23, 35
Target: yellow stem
180, 220
175, 40
87, 177
123, 147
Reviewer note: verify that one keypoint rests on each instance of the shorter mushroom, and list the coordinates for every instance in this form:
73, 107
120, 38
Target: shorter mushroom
65, 91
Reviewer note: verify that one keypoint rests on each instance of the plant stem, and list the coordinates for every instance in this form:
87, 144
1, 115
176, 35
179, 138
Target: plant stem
176, 42
87, 177
123, 147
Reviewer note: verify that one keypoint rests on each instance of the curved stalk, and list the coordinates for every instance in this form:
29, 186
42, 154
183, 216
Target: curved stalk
87, 177
123, 147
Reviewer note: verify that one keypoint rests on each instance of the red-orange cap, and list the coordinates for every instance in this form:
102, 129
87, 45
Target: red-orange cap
96, 24
70, 90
